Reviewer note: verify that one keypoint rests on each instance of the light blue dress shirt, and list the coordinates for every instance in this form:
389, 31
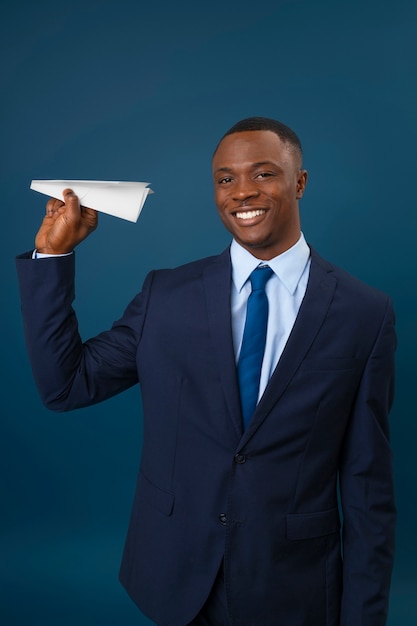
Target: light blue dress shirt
285, 291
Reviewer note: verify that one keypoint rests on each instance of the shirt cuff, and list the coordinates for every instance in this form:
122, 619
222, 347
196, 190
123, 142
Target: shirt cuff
42, 255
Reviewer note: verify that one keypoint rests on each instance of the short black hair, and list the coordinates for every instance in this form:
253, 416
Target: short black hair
285, 133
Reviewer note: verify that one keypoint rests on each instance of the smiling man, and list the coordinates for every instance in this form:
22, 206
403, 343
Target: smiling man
258, 181
236, 517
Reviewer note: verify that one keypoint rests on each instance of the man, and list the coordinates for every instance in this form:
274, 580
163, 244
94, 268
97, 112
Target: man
236, 522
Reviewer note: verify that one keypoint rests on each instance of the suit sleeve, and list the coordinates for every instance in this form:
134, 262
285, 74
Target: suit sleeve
367, 490
70, 374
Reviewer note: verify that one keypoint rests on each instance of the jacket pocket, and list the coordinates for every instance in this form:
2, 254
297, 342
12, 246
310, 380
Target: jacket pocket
310, 525
158, 498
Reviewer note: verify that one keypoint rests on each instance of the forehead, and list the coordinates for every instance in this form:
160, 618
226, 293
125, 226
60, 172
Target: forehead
252, 146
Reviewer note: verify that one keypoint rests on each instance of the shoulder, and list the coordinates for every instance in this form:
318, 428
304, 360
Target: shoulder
192, 270
356, 296
345, 279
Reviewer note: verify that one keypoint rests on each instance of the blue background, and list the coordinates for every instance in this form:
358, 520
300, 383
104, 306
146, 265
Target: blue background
128, 91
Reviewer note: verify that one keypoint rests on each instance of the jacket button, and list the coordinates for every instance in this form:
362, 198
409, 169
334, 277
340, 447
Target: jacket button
240, 458
222, 519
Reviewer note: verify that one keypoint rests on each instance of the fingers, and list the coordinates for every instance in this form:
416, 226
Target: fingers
89, 217
54, 206
66, 223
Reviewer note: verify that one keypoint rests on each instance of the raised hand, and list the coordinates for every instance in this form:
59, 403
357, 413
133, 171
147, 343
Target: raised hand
65, 225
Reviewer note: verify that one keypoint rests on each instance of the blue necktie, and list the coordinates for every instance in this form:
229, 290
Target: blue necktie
253, 343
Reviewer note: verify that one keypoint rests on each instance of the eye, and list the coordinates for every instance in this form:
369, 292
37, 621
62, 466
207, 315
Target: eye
225, 180
263, 175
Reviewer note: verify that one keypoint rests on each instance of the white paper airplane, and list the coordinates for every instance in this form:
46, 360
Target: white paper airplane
114, 197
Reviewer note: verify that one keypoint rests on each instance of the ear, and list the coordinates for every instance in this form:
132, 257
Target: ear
301, 183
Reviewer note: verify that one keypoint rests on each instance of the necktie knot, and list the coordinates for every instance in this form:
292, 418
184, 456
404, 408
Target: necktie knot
260, 277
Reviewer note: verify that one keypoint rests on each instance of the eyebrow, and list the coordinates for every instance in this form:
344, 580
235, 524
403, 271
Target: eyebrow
223, 169
261, 163
253, 166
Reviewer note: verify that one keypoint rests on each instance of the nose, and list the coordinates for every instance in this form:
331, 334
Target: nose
245, 188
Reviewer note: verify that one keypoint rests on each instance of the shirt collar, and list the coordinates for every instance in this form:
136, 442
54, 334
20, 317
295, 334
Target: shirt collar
288, 266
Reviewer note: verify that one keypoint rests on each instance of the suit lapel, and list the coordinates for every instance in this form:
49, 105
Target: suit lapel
312, 313
217, 279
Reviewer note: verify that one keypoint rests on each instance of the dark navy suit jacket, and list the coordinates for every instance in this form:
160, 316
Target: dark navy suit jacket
264, 500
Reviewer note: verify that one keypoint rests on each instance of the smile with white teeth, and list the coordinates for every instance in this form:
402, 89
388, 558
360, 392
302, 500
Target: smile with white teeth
248, 215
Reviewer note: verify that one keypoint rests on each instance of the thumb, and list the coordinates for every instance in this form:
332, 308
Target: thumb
72, 203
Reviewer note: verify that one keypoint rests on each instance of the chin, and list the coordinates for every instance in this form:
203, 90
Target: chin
254, 243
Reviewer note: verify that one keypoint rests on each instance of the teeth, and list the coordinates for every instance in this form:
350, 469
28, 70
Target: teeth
247, 215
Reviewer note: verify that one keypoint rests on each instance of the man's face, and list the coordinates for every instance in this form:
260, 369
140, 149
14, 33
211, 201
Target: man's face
257, 185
